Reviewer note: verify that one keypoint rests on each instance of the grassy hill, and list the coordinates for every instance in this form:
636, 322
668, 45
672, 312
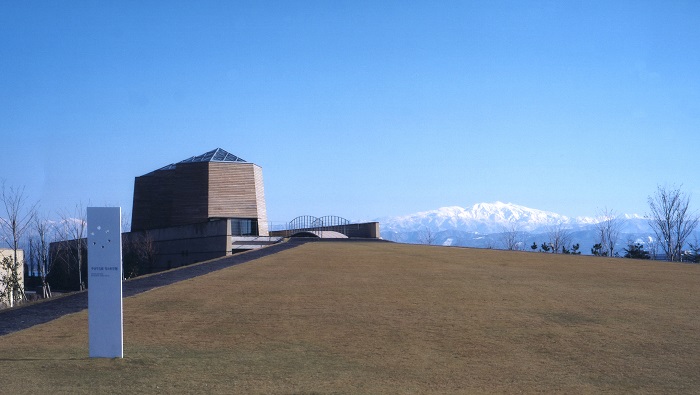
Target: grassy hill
388, 318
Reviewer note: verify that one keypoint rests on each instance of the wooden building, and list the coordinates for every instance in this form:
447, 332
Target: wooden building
212, 186
204, 207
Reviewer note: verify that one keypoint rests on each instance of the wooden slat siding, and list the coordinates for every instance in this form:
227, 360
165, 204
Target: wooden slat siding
232, 192
167, 198
152, 206
140, 208
260, 202
189, 194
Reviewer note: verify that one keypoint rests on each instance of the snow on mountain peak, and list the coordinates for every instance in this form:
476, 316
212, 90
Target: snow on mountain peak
481, 217
480, 224
490, 218
510, 213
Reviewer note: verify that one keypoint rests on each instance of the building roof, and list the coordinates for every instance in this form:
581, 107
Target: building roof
216, 155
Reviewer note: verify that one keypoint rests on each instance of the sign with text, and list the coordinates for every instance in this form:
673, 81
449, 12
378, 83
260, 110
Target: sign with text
105, 319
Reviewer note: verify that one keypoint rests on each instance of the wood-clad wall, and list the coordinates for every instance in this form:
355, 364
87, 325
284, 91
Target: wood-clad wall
189, 194
166, 198
232, 190
150, 210
260, 198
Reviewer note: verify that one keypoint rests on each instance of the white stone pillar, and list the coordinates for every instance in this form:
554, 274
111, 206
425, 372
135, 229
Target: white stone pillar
105, 319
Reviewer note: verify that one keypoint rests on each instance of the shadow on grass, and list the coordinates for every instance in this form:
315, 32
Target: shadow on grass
20, 359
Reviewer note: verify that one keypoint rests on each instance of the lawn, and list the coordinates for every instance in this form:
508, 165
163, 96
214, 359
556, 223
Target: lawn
388, 318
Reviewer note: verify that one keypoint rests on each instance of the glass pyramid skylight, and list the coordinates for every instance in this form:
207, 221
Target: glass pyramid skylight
217, 155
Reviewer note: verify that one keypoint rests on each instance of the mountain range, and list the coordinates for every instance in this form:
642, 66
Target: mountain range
484, 225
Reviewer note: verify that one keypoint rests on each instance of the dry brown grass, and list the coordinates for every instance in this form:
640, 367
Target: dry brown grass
387, 318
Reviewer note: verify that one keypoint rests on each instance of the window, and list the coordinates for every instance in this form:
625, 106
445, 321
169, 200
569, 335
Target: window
244, 227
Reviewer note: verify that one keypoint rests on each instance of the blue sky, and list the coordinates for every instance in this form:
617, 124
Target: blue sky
357, 109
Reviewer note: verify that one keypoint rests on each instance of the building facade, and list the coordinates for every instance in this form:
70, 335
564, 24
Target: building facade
212, 186
201, 208
7, 255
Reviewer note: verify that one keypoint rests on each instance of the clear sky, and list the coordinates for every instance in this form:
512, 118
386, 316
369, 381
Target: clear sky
358, 109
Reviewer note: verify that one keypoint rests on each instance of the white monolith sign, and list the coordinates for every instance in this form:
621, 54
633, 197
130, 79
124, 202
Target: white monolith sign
105, 319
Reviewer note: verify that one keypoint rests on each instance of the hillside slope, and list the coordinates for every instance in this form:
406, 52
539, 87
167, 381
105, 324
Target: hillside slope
383, 317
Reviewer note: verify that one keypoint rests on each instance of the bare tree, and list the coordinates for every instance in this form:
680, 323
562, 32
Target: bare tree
653, 247
126, 221
399, 237
139, 254
71, 232
40, 251
609, 229
426, 236
695, 249
19, 214
511, 237
559, 238
671, 220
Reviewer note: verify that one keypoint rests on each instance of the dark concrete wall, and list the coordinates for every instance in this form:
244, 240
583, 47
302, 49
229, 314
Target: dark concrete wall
366, 230
187, 244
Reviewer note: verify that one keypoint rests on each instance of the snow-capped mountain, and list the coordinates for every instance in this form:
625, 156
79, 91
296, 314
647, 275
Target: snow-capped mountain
482, 218
484, 223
